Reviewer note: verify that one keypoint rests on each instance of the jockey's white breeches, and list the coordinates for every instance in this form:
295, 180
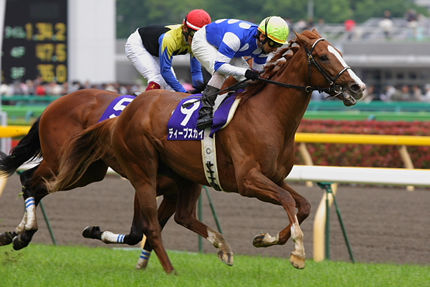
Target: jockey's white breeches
207, 54
145, 63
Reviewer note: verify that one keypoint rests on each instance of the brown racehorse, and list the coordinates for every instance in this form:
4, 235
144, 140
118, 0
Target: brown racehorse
255, 151
60, 121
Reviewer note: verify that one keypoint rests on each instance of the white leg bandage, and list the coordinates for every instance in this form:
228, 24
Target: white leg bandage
30, 208
109, 237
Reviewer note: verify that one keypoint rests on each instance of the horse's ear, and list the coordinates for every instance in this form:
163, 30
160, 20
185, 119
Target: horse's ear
316, 32
298, 36
302, 39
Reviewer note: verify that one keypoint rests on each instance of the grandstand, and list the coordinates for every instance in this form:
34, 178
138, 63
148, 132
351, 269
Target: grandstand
401, 59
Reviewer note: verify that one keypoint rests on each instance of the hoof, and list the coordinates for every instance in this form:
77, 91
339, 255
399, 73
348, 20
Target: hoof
264, 240
141, 264
297, 261
6, 238
18, 243
172, 272
226, 257
92, 232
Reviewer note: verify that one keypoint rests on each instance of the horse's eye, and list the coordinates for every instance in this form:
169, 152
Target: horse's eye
324, 58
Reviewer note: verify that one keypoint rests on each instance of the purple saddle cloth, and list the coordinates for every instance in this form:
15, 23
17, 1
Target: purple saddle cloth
183, 122
116, 107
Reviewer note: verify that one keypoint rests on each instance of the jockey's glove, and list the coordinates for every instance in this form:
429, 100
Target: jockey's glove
252, 74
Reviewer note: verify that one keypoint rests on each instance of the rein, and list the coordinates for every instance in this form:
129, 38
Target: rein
333, 89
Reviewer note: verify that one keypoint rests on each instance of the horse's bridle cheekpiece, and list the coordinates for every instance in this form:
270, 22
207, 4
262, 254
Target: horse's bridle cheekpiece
333, 90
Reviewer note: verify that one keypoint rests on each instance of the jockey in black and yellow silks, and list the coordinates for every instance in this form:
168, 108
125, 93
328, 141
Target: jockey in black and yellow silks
152, 48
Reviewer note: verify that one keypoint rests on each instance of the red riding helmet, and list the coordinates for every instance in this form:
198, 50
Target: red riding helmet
197, 18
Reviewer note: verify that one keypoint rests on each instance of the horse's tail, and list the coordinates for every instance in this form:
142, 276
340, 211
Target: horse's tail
87, 147
28, 148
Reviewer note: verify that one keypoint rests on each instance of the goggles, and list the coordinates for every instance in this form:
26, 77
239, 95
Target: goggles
273, 44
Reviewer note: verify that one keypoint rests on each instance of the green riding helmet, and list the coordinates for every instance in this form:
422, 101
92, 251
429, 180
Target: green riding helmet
275, 28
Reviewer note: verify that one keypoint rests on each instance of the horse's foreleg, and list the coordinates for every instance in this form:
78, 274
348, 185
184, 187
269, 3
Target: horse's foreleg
303, 211
186, 216
259, 186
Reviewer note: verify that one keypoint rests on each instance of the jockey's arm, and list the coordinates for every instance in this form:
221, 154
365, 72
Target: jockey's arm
166, 67
258, 63
196, 72
227, 50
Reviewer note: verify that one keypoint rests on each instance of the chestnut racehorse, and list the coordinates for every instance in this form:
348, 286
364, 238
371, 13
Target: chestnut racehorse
255, 152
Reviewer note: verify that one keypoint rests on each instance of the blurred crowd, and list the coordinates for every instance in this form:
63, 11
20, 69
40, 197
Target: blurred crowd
404, 93
412, 26
411, 93
40, 88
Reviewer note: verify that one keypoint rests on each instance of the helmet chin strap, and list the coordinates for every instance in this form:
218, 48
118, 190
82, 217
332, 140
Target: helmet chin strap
265, 31
186, 34
263, 42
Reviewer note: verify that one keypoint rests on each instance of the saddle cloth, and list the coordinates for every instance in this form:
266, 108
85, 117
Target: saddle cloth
182, 123
116, 107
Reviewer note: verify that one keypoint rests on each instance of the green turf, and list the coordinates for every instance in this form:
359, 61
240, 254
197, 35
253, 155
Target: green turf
42, 265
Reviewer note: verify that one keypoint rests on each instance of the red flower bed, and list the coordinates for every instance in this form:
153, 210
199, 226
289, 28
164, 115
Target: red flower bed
365, 155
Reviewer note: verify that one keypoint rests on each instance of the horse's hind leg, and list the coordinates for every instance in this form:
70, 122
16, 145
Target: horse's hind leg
33, 192
186, 216
139, 161
165, 211
7, 237
167, 188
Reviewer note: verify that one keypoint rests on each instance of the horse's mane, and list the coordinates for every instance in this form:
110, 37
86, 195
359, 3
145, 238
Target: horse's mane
278, 62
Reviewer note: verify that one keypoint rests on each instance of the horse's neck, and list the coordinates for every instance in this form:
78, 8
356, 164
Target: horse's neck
288, 105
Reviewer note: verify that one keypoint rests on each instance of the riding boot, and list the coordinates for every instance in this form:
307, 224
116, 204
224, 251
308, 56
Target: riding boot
153, 86
205, 114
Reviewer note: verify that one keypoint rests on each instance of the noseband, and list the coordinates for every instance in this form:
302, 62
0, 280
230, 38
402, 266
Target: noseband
333, 89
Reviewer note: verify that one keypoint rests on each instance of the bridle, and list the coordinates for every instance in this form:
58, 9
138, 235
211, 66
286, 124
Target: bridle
333, 89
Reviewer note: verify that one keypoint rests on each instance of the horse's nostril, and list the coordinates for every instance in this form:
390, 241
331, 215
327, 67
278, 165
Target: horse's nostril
355, 87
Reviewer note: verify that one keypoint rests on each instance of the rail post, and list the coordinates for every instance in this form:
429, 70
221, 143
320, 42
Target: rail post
200, 215
330, 195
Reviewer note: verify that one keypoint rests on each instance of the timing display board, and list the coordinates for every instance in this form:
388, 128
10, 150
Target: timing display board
35, 41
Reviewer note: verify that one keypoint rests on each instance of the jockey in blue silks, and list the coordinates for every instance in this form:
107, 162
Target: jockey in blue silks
221, 46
